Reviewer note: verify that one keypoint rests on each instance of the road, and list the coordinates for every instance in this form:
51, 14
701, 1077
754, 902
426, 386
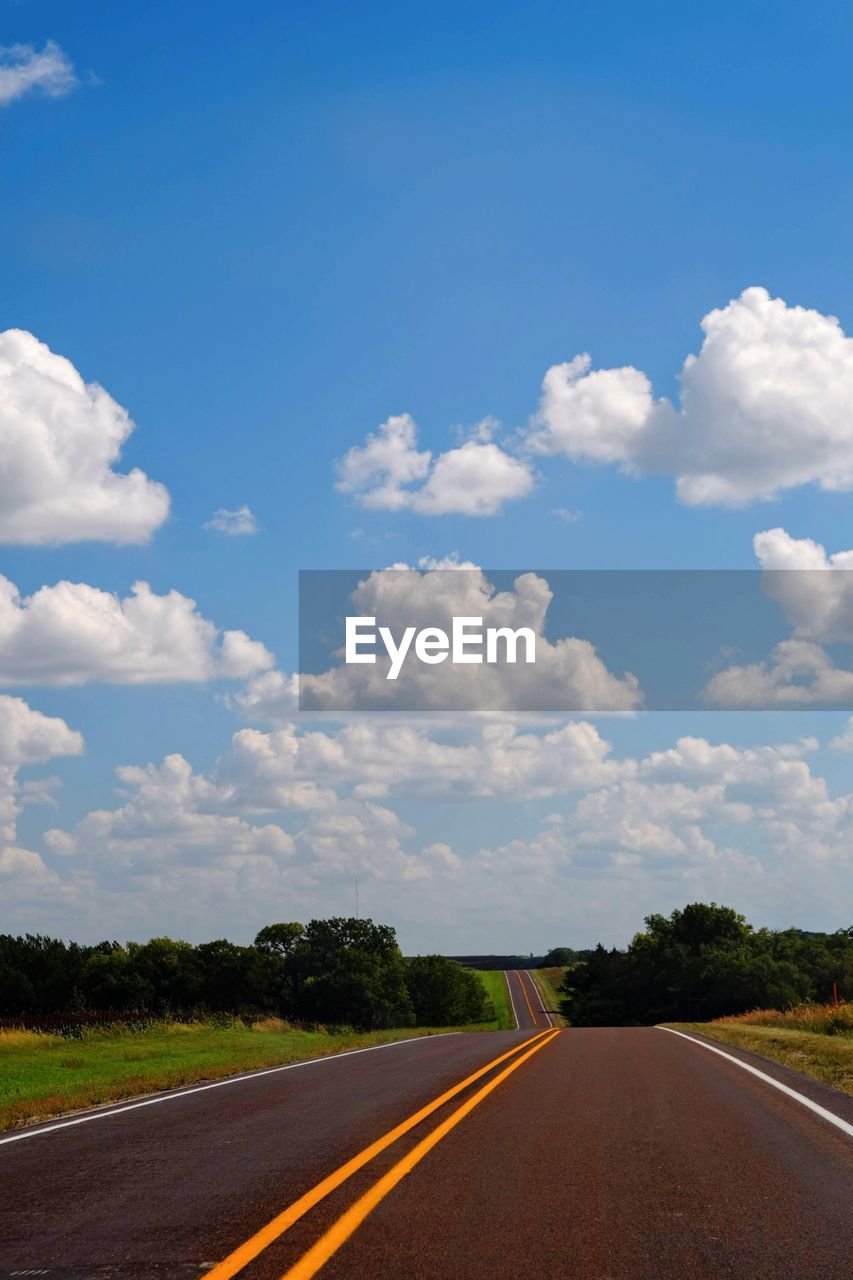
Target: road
527, 1006
600, 1154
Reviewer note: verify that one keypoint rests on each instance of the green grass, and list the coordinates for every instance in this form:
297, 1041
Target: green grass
828, 1058
549, 982
495, 983
46, 1075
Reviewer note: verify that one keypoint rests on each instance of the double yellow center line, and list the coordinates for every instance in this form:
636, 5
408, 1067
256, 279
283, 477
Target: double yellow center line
523, 986
340, 1231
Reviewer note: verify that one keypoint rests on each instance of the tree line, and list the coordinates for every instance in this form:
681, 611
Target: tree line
341, 971
703, 962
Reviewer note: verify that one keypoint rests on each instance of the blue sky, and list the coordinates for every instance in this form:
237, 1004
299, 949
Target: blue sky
265, 230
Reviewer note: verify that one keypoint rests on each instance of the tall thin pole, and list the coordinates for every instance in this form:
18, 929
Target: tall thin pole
356, 897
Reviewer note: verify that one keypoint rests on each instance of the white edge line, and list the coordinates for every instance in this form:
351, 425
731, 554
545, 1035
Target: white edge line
777, 1084
512, 1002
538, 991
170, 1096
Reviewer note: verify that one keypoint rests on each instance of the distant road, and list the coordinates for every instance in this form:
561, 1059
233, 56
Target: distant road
526, 1000
611, 1154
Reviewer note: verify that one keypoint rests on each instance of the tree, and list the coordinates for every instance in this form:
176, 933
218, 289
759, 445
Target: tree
444, 994
558, 958
172, 971
354, 974
282, 947
700, 963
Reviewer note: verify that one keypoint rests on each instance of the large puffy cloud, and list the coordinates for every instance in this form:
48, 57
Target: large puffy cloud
60, 439
72, 633
24, 69
568, 673
389, 472
766, 405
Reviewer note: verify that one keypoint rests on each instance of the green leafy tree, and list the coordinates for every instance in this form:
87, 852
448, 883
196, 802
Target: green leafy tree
282, 949
354, 974
443, 994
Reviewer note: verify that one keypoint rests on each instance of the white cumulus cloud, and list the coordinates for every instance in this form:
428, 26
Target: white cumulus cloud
765, 406
171, 813
72, 633
389, 472
60, 439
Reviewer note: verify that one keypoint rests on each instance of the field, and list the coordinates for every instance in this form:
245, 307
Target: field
814, 1039
495, 983
44, 1075
550, 981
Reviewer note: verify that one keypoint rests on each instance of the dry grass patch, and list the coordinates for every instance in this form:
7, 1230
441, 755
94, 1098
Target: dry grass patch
814, 1039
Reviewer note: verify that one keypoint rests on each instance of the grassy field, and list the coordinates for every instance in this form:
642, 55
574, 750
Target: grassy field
814, 1039
549, 981
495, 984
45, 1075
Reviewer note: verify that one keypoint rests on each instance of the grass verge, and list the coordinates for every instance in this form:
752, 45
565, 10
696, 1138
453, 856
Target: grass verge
495, 983
549, 982
828, 1058
46, 1075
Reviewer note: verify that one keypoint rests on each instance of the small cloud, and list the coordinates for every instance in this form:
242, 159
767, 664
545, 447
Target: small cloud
567, 514
24, 70
389, 473
235, 524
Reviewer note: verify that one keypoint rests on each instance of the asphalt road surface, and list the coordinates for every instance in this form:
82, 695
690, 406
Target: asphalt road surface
526, 1001
612, 1154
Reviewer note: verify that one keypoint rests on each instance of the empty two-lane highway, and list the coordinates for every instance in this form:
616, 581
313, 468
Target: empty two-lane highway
526, 1000
630, 1154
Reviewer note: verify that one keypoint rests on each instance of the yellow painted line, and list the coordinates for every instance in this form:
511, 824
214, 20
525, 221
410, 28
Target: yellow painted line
248, 1251
338, 1234
540, 996
526, 996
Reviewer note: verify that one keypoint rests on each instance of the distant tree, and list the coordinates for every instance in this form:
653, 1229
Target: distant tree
354, 974
172, 971
558, 958
443, 994
698, 963
111, 981
595, 993
282, 948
